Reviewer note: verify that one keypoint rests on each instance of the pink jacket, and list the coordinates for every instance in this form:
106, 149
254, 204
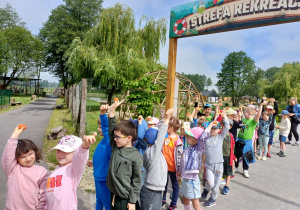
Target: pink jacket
63, 182
25, 185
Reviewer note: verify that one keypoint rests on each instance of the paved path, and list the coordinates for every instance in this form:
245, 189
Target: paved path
36, 116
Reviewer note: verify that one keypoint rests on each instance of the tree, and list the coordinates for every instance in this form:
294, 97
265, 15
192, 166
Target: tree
9, 17
4, 54
200, 81
114, 51
236, 69
286, 82
270, 72
20, 43
253, 82
208, 83
65, 23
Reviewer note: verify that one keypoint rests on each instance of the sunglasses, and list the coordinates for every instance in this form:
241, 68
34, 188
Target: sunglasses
118, 137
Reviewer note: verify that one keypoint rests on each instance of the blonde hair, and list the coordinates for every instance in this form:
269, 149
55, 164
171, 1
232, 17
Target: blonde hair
265, 113
294, 99
249, 110
175, 123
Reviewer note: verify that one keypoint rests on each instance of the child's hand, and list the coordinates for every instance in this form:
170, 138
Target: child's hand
264, 103
179, 173
190, 116
18, 130
130, 206
140, 119
169, 113
89, 163
103, 109
114, 106
223, 115
88, 141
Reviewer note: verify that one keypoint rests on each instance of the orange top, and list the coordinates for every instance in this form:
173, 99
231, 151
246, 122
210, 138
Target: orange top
168, 152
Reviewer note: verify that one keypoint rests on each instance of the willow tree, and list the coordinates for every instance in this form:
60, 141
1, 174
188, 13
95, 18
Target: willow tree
115, 51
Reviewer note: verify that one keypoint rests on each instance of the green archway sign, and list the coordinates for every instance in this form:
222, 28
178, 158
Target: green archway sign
214, 16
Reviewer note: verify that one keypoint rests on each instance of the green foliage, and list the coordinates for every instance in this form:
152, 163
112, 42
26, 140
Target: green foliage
142, 95
236, 70
65, 23
270, 72
4, 54
286, 82
114, 51
9, 17
200, 81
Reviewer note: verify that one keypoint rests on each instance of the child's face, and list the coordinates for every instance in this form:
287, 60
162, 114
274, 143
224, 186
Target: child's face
151, 126
284, 116
27, 159
214, 131
231, 116
64, 158
265, 117
100, 130
247, 114
207, 110
191, 140
122, 140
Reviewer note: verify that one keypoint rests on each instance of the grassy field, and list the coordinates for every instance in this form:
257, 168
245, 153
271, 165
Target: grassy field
18, 98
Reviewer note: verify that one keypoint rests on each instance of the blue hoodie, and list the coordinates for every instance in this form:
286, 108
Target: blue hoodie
102, 153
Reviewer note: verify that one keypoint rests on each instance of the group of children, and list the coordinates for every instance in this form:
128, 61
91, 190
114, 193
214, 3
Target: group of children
134, 159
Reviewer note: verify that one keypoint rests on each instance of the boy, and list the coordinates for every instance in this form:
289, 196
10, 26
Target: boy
243, 146
100, 162
207, 112
155, 165
284, 129
125, 167
214, 159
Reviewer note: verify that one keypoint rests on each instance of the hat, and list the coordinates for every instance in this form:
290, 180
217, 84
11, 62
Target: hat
186, 125
269, 107
68, 143
216, 125
207, 105
153, 121
229, 111
195, 132
151, 135
284, 112
205, 125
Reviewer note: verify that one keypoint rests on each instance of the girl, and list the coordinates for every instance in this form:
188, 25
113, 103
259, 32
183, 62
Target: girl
191, 165
25, 180
172, 150
62, 183
264, 124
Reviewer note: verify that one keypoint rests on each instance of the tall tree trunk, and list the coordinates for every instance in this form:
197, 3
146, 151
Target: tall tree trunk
109, 98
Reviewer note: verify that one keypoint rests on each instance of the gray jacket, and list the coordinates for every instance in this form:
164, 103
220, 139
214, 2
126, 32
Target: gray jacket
155, 163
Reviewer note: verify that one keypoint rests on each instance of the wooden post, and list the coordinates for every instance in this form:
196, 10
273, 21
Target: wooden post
77, 102
70, 98
67, 97
171, 73
83, 107
74, 104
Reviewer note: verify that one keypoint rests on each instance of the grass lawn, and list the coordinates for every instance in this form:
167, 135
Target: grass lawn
18, 98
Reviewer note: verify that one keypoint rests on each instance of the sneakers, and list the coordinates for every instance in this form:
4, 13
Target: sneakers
225, 190
264, 158
204, 194
246, 174
172, 207
282, 155
223, 181
296, 143
259, 157
232, 176
279, 153
268, 155
289, 142
163, 203
211, 202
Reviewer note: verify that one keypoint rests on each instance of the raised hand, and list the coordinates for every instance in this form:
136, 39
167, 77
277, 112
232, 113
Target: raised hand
114, 106
169, 113
18, 130
140, 119
104, 108
88, 141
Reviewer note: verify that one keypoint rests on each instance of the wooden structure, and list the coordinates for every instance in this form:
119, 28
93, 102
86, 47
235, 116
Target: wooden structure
186, 93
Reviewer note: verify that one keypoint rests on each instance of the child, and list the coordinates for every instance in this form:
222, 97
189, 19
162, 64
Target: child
207, 112
264, 124
172, 150
191, 165
72, 155
284, 129
25, 180
100, 162
228, 157
214, 159
243, 146
155, 165
125, 167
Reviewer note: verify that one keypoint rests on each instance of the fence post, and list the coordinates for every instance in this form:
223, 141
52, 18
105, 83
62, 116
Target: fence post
70, 98
77, 102
83, 107
67, 97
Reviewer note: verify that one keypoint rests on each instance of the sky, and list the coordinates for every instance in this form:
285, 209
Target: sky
268, 46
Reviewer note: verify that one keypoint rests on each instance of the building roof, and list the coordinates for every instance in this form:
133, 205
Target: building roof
209, 93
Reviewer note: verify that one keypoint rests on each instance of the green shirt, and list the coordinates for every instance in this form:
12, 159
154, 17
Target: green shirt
246, 132
226, 145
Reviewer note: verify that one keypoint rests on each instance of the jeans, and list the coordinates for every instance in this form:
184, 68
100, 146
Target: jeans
263, 143
175, 187
150, 199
